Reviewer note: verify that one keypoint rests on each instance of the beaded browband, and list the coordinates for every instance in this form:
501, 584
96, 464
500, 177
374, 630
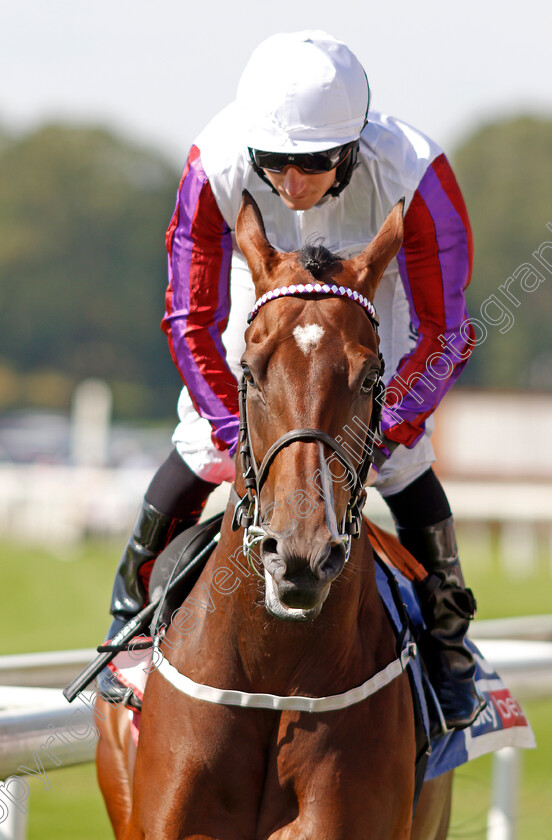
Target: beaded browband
314, 288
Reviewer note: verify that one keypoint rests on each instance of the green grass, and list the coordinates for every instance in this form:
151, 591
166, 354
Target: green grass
73, 808
58, 600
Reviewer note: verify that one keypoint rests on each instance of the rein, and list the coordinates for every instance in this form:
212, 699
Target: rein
247, 513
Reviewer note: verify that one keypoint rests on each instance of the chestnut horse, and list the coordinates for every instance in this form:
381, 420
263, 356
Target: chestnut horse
247, 762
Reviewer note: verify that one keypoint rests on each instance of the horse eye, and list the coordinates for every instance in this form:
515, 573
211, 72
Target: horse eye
248, 376
369, 382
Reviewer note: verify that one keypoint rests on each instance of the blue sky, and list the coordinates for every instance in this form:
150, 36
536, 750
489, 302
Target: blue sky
157, 71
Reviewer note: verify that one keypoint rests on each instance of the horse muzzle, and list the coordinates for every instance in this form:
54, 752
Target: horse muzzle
275, 601
296, 587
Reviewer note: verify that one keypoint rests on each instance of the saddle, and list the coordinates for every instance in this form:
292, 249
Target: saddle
183, 561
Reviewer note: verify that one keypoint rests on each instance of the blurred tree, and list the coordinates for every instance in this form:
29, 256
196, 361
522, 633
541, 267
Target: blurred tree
83, 267
505, 172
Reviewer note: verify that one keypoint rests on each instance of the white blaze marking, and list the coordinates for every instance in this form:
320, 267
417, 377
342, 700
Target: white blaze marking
308, 338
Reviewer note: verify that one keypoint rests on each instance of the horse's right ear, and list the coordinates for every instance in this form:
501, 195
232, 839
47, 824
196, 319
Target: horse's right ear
251, 237
372, 262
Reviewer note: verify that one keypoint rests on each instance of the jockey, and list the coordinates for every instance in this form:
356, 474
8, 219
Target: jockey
321, 166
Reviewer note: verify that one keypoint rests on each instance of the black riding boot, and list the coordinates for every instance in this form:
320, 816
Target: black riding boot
150, 535
447, 607
174, 488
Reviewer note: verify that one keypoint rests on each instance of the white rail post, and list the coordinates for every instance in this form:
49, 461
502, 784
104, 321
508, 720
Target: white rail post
503, 813
13, 825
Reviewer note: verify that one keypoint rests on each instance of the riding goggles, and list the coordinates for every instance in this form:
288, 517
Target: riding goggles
312, 163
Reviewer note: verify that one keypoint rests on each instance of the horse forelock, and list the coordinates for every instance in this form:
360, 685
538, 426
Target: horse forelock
318, 260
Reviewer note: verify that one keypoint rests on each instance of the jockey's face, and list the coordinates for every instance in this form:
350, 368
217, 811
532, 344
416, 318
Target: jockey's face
299, 190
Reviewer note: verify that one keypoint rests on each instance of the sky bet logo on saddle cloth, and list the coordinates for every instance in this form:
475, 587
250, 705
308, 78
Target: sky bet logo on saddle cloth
506, 707
501, 724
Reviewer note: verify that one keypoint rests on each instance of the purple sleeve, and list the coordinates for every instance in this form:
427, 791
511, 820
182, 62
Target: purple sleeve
435, 264
199, 245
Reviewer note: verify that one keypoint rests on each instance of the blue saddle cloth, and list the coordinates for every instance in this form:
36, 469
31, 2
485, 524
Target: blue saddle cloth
501, 724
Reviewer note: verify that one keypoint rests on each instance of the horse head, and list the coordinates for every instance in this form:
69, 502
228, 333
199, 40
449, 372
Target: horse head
311, 367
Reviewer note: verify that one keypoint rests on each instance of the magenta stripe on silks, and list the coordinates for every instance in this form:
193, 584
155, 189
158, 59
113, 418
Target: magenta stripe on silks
414, 412
211, 407
410, 407
223, 297
401, 261
191, 191
188, 197
452, 240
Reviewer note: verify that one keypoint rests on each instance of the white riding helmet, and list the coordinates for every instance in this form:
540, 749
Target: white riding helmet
302, 92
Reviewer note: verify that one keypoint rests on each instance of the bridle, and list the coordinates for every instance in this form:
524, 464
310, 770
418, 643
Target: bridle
247, 513
247, 516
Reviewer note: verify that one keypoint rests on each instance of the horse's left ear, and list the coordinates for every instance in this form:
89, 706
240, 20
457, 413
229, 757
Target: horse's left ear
372, 262
251, 237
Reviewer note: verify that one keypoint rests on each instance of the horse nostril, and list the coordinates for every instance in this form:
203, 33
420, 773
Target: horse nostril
269, 546
270, 557
312, 565
329, 563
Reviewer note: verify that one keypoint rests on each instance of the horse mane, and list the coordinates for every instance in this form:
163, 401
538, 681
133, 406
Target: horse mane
318, 260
